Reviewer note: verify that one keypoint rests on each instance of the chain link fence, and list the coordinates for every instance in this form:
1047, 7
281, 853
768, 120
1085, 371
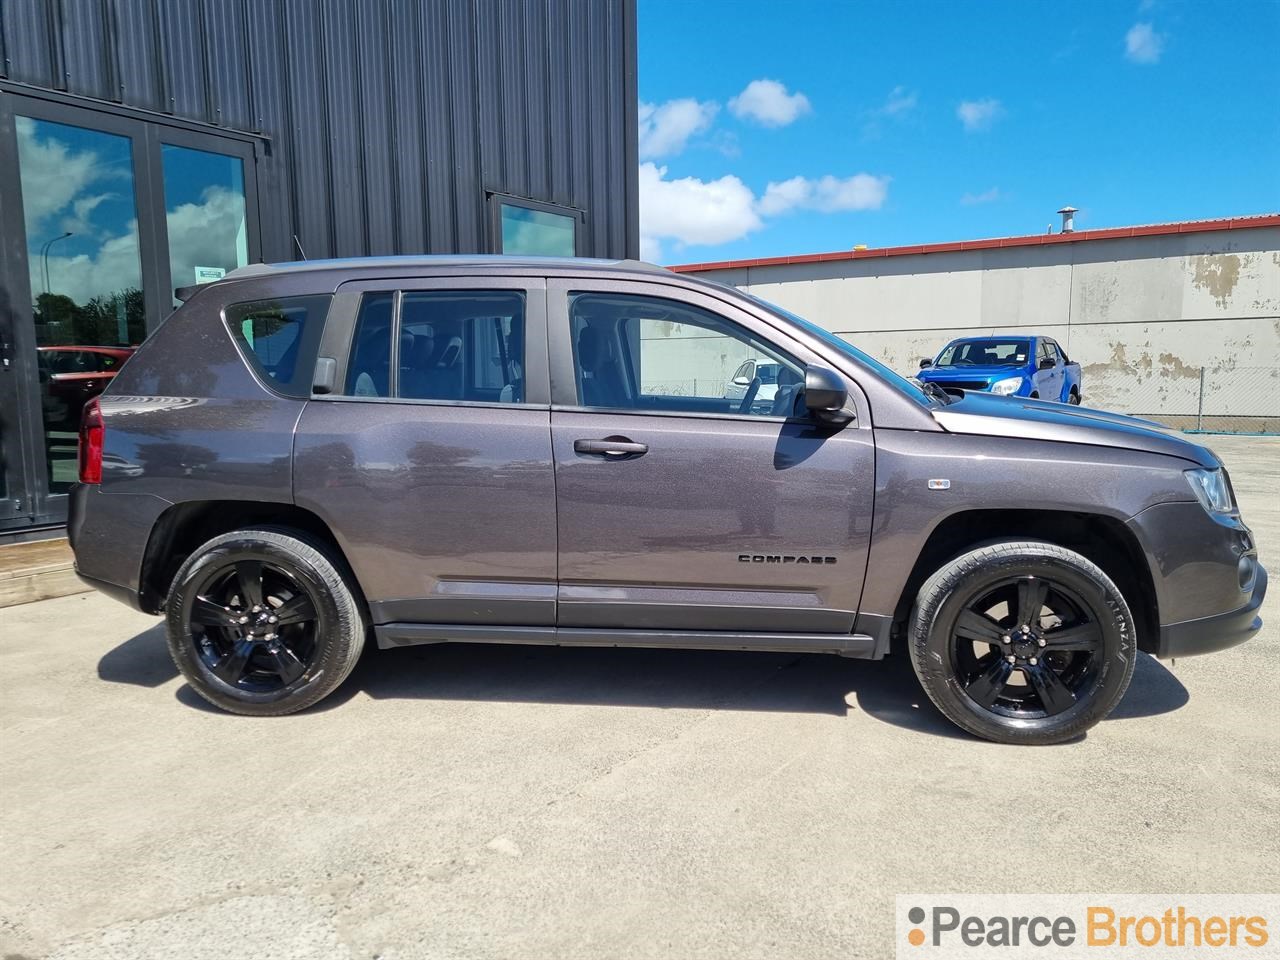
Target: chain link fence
1243, 400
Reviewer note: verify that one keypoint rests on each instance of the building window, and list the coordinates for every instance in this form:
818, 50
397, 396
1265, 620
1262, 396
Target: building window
536, 229
85, 270
205, 214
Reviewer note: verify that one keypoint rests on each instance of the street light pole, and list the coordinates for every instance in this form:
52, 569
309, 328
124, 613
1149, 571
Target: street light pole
44, 255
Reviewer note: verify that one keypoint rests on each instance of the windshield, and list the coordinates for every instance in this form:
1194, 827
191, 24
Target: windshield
907, 387
987, 352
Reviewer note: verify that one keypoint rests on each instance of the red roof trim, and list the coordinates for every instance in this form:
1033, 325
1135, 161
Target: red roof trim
1110, 233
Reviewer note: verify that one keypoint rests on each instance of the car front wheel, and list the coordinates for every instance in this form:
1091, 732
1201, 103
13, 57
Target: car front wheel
1023, 642
264, 622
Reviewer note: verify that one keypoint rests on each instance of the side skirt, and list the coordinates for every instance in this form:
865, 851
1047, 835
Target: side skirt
854, 645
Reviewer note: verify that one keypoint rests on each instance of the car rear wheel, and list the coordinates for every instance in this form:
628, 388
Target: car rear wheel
264, 622
1073, 397
1023, 642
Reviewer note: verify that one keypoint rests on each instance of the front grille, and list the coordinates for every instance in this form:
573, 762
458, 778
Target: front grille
963, 384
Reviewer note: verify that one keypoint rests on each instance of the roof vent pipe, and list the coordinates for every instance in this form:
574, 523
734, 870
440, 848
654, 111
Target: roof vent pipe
1068, 219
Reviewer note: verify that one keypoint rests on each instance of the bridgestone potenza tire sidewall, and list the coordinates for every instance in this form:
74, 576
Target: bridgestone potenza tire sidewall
340, 628
944, 595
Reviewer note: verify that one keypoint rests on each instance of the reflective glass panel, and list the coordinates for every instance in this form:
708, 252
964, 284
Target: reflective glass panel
86, 277
205, 214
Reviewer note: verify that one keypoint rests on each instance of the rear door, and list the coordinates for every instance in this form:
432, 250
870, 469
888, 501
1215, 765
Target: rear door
681, 506
431, 460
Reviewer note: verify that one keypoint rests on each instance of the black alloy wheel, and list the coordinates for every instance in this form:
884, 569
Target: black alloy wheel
1026, 648
1022, 642
265, 621
255, 625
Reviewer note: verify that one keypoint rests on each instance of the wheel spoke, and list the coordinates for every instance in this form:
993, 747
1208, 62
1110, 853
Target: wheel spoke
297, 609
249, 578
989, 684
1053, 693
977, 626
1031, 597
286, 663
231, 667
1084, 636
209, 614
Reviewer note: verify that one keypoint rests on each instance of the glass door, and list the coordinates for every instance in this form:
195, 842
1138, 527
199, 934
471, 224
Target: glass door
103, 215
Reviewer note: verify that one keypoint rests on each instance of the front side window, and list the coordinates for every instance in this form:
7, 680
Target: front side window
650, 354
280, 338
448, 345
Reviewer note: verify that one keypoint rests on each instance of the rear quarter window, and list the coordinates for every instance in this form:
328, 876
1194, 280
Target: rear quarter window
280, 338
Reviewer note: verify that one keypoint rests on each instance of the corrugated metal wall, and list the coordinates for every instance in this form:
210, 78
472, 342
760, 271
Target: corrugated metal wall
385, 122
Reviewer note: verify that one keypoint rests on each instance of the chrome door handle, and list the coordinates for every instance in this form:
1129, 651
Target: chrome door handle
616, 448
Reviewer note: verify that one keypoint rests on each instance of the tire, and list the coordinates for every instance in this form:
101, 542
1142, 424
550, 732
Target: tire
1050, 692
275, 657
1073, 398
1034, 396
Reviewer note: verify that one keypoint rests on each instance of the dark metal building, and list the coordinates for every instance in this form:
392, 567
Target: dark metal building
153, 144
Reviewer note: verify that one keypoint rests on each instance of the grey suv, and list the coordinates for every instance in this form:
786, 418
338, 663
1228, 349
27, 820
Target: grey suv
479, 449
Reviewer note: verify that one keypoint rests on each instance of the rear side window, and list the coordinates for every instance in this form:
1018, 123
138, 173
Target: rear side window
463, 346
281, 338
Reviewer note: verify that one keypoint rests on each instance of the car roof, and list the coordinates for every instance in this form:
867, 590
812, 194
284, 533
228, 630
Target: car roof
361, 264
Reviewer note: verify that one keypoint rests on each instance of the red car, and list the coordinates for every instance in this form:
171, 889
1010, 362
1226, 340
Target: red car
74, 375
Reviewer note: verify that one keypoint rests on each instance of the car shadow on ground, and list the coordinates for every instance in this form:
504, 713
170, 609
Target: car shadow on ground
662, 679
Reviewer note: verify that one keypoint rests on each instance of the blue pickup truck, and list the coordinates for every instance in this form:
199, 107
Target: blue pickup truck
1012, 366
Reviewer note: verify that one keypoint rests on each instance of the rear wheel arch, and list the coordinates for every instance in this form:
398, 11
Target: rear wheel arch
185, 527
1105, 541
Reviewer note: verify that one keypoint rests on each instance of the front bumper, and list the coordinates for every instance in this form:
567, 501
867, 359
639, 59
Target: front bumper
1208, 634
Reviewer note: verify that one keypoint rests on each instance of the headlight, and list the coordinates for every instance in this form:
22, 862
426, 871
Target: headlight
1007, 386
1211, 489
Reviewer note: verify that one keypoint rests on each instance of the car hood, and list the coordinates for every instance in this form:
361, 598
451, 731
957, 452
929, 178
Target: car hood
984, 414
942, 374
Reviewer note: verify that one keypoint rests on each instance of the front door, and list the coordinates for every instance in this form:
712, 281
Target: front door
686, 501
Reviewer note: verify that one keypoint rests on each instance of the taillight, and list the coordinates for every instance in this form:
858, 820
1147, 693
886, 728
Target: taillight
90, 452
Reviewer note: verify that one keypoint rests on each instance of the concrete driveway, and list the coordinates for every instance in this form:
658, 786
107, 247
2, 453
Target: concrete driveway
527, 802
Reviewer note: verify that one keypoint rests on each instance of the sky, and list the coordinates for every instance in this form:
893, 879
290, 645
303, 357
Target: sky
776, 128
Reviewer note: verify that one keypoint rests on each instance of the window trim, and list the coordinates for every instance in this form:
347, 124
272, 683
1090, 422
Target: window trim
496, 199
340, 333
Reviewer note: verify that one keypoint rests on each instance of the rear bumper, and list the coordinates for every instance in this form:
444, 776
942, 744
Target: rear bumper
115, 591
1208, 634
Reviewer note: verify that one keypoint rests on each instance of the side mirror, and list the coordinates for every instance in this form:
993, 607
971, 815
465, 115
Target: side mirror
824, 394
1046, 363
742, 381
926, 362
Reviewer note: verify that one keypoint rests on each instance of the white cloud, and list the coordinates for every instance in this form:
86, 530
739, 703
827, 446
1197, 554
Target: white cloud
986, 196
665, 128
692, 211
1142, 44
53, 175
768, 103
828, 194
979, 114
900, 100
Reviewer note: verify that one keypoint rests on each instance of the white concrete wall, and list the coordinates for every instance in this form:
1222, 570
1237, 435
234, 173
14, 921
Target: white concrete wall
1142, 315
